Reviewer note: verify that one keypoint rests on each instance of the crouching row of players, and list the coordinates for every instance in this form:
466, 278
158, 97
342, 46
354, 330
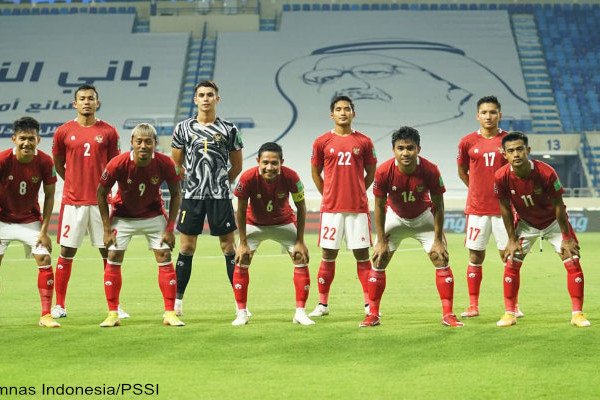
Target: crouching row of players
408, 203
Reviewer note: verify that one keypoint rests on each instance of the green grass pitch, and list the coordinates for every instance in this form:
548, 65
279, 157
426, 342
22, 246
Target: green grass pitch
411, 355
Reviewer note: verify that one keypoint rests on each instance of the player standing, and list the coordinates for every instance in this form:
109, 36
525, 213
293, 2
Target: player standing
203, 146
479, 157
269, 216
138, 208
81, 149
534, 190
343, 162
403, 185
23, 169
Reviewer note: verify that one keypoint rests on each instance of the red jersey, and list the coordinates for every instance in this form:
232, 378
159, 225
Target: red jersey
20, 185
483, 158
139, 194
343, 159
269, 201
531, 197
86, 151
408, 194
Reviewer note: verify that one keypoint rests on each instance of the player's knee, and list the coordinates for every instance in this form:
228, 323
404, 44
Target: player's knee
476, 256
68, 252
437, 259
162, 256
43, 260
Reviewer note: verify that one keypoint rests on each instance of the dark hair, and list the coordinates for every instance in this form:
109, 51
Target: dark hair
513, 136
341, 98
26, 124
86, 87
271, 146
489, 99
406, 133
210, 84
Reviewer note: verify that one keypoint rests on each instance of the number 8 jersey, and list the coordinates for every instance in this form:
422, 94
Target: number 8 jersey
343, 160
86, 151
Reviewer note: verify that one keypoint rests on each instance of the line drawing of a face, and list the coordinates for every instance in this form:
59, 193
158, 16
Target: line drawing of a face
386, 87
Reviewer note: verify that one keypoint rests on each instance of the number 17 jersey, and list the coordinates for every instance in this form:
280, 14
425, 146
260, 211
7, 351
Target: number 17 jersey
343, 159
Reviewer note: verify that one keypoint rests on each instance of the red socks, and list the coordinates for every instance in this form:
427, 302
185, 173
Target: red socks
444, 280
575, 282
45, 287
324, 278
167, 281
112, 285
302, 285
474, 276
363, 269
376, 287
512, 280
61, 279
241, 279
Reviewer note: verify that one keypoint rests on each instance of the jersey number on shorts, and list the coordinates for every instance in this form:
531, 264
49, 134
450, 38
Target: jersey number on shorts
329, 233
473, 233
182, 215
66, 232
344, 158
489, 158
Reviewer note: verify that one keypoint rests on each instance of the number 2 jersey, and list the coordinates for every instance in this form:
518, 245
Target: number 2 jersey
139, 194
408, 194
269, 201
86, 151
483, 158
20, 185
343, 159
531, 197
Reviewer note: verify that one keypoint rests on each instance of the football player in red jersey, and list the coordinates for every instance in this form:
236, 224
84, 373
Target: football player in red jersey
533, 189
138, 209
479, 157
264, 213
81, 148
411, 188
23, 169
343, 166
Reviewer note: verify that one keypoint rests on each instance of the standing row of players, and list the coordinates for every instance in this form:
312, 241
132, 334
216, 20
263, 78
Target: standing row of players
207, 151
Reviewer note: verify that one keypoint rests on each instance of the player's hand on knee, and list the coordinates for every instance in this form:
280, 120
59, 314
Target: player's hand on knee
169, 239
44, 241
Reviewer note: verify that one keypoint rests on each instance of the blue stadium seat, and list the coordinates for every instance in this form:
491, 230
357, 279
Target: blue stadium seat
93, 10
326, 7
54, 11
296, 7
25, 11
112, 10
385, 7
306, 7
287, 7
434, 7
395, 6
463, 6
131, 10
404, 6
335, 7
63, 10
375, 6
413, 7
73, 10
353, 7
121, 10
16, 11
365, 6
84, 10
102, 10
316, 7
345, 7
35, 11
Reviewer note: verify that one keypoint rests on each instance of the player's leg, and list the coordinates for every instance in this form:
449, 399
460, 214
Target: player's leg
72, 225
575, 278
478, 231
221, 220
358, 238
501, 237
190, 224
331, 233
112, 284
96, 232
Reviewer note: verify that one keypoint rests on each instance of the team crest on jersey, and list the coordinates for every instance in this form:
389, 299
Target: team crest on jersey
99, 138
356, 151
281, 195
476, 151
35, 179
10, 178
259, 196
129, 181
104, 175
155, 180
420, 188
538, 190
511, 191
331, 150
394, 188
217, 138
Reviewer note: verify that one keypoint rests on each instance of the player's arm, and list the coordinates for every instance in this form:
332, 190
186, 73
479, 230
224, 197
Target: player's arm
59, 165
109, 237
44, 239
439, 244
316, 177
370, 174
235, 159
569, 246
513, 246
243, 250
381, 252
300, 252
463, 174
174, 203
178, 156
